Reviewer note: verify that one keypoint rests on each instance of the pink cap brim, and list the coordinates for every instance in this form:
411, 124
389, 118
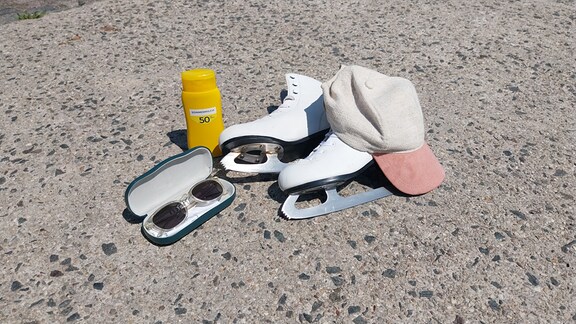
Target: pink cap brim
413, 173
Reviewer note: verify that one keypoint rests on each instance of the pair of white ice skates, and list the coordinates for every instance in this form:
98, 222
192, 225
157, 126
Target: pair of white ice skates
295, 142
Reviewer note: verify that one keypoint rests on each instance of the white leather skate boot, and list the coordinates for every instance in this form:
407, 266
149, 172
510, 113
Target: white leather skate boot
330, 165
288, 133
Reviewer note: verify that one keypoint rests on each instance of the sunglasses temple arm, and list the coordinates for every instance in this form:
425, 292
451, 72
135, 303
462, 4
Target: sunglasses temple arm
214, 172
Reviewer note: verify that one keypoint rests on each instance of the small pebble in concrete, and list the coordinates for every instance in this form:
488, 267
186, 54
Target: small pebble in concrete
56, 273
71, 268
316, 306
352, 244
338, 281
279, 236
554, 281
369, 238
518, 214
565, 248
389, 273
64, 303
560, 173
38, 302
15, 285
484, 250
335, 296
494, 305
359, 320
240, 284
180, 310
109, 248
73, 317
353, 309
306, 317
532, 279
282, 299
513, 87
333, 269
240, 207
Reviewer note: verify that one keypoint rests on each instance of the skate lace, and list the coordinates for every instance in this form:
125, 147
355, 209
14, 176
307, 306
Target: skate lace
290, 97
329, 140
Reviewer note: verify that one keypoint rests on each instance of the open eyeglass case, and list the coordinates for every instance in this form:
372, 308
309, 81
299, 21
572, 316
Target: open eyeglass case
170, 181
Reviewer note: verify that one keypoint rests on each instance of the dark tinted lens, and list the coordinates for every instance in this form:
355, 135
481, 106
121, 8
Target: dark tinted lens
169, 216
207, 190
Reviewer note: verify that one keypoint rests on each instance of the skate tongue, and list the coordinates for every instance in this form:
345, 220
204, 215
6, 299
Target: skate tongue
286, 104
329, 139
288, 98
292, 89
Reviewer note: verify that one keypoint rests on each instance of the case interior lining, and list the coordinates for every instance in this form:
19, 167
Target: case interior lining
169, 181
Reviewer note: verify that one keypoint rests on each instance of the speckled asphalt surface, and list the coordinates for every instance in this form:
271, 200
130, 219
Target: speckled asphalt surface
90, 99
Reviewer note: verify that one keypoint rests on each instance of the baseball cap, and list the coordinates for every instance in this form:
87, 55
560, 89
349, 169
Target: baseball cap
381, 115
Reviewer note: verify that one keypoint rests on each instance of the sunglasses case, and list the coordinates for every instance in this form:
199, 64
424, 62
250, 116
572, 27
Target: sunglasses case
169, 181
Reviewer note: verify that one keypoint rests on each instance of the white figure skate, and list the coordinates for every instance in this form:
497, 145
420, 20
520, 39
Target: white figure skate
288, 133
332, 164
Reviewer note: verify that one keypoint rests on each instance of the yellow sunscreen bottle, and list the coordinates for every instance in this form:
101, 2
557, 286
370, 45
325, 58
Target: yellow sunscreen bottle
203, 109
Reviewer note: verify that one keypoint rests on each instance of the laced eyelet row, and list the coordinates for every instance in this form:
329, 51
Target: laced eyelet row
294, 84
321, 148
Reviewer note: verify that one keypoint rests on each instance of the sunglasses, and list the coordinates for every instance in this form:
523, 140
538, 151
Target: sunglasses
174, 213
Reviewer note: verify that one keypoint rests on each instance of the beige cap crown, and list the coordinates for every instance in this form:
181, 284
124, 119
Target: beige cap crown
373, 112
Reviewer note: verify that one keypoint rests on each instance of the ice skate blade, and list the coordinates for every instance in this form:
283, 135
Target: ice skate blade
334, 202
271, 165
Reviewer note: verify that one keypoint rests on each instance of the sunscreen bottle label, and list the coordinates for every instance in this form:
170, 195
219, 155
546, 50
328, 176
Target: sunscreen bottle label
203, 109
203, 116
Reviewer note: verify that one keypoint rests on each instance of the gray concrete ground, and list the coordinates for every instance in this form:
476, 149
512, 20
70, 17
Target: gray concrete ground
89, 100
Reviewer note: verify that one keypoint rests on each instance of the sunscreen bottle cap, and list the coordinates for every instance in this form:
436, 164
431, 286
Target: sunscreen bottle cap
198, 80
